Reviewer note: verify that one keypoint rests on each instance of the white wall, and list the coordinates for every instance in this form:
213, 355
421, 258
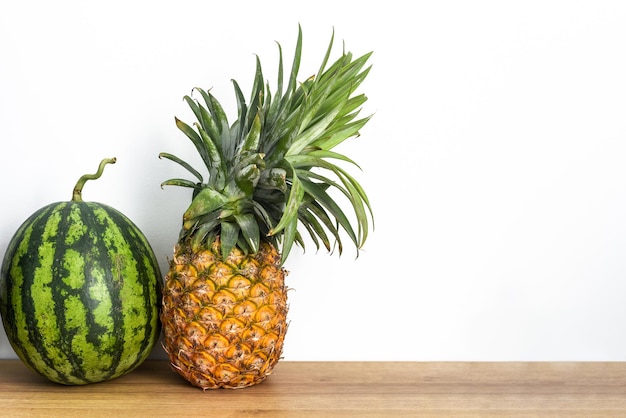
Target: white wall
495, 160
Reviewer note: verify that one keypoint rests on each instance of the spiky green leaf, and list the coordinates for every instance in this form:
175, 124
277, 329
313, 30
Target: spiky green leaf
182, 163
207, 201
229, 235
250, 230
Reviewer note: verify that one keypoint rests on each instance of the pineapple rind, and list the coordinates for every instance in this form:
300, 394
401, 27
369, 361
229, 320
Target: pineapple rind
224, 320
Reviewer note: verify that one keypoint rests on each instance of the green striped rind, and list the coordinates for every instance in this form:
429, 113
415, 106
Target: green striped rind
80, 293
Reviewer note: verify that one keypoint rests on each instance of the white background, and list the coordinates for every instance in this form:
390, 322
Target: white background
494, 161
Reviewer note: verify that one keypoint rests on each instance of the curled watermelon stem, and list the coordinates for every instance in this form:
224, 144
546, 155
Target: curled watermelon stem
78, 189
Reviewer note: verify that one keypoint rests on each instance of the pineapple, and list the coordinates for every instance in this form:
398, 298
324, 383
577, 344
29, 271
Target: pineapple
224, 310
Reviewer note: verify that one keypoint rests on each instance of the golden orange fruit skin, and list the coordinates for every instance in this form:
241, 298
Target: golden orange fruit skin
224, 321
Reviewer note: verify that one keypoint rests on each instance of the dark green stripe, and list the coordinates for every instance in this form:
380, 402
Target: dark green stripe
69, 290
11, 284
100, 263
135, 248
29, 263
61, 293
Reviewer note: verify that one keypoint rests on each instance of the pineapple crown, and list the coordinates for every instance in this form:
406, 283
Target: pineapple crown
274, 166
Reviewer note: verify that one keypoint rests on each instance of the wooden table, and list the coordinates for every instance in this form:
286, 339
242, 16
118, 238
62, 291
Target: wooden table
326, 389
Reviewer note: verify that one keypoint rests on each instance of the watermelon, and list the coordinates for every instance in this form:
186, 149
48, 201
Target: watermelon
80, 291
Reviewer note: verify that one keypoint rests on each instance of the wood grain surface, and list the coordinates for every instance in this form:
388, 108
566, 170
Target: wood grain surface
334, 389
